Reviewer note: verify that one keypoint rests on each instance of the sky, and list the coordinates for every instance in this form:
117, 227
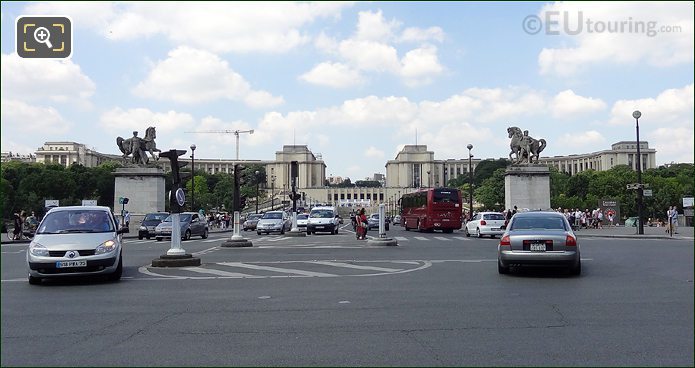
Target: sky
355, 82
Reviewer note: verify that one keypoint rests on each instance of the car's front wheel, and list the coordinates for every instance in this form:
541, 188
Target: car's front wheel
205, 234
119, 270
187, 235
34, 280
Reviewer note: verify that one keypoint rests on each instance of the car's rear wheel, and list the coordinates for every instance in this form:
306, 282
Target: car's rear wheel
502, 270
576, 270
258, 232
148, 237
139, 237
467, 233
34, 280
187, 235
477, 233
205, 234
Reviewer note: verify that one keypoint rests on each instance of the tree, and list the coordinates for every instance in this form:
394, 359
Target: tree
368, 184
491, 192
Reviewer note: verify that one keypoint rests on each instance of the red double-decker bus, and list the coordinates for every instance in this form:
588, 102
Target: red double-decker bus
432, 209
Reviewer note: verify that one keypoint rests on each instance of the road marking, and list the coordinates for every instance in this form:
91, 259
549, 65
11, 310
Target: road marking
278, 239
205, 251
211, 271
462, 238
277, 269
358, 267
401, 238
421, 238
442, 238
213, 240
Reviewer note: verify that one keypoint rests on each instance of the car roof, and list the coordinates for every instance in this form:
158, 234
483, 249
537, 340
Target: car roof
539, 214
489, 212
72, 208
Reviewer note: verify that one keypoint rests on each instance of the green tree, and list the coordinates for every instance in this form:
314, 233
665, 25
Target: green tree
491, 192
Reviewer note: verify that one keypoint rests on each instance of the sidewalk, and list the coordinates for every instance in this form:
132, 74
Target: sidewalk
684, 232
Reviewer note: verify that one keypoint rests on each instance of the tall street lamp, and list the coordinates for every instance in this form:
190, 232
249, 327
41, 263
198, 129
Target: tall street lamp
470, 183
257, 172
640, 229
272, 197
193, 177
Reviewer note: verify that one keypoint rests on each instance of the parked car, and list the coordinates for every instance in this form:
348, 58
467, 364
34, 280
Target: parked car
485, 223
541, 239
397, 220
76, 240
323, 219
373, 222
252, 221
191, 225
149, 223
274, 222
302, 221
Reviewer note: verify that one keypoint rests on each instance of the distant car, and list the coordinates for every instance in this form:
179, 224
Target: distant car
485, 223
397, 220
252, 221
302, 220
323, 219
541, 239
191, 225
149, 223
76, 240
273, 222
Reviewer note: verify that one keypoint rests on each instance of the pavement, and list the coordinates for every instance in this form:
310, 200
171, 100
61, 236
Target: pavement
655, 232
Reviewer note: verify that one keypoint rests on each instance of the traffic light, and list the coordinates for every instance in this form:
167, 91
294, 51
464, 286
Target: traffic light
173, 156
239, 180
303, 196
242, 202
294, 169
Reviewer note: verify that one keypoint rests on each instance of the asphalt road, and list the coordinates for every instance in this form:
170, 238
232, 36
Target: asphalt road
329, 300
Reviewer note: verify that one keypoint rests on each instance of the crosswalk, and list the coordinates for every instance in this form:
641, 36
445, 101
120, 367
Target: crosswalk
315, 268
438, 238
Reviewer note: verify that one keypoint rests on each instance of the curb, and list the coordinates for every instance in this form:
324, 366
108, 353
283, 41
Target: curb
627, 236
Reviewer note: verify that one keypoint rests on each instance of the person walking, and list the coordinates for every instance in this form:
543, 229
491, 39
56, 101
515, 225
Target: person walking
361, 219
673, 218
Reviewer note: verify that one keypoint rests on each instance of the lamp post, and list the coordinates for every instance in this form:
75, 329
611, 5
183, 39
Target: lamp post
429, 184
470, 183
193, 177
640, 229
445, 171
257, 197
272, 197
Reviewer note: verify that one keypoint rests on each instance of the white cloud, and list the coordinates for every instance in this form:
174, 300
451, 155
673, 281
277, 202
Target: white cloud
585, 141
372, 26
370, 55
568, 105
138, 119
44, 80
194, 76
420, 65
673, 144
21, 118
334, 75
214, 26
617, 32
414, 34
375, 153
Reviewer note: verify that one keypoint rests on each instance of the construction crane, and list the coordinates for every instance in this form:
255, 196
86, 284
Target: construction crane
235, 132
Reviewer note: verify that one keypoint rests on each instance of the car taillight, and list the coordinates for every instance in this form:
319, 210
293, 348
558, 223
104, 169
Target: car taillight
570, 241
505, 240
482, 222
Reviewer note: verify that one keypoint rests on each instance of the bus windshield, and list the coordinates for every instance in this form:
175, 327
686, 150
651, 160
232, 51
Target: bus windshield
446, 195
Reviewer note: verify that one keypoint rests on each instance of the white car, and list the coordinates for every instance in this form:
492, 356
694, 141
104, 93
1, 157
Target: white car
485, 223
323, 219
302, 220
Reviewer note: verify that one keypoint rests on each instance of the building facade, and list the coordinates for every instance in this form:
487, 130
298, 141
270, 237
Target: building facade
415, 167
70, 153
621, 153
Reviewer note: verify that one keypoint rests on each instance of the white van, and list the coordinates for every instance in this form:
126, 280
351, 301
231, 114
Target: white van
323, 219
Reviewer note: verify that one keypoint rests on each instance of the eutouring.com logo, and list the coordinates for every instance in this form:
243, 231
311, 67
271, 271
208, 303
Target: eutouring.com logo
555, 23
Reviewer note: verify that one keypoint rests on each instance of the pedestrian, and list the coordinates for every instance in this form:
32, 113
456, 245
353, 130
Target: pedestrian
361, 224
674, 219
16, 234
126, 219
600, 218
610, 218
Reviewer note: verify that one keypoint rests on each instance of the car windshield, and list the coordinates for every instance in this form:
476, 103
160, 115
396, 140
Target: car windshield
272, 215
538, 223
374, 216
254, 217
182, 218
493, 216
302, 216
156, 217
76, 221
321, 214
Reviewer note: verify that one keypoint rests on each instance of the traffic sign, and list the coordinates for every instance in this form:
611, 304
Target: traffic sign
89, 202
51, 203
180, 197
647, 192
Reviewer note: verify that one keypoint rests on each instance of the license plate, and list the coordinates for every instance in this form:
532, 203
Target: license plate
537, 247
67, 264
319, 227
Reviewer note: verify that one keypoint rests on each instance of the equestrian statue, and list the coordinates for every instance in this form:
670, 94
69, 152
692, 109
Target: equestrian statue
524, 147
138, 147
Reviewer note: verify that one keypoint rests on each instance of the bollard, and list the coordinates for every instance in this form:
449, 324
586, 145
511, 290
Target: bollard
176, 249
237, 240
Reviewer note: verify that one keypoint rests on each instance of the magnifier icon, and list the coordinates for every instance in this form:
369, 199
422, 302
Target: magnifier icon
42, 35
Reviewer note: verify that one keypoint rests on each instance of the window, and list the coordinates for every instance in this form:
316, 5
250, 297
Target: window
446, 196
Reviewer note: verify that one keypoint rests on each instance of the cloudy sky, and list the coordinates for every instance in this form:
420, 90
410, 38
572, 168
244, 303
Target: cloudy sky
357, 81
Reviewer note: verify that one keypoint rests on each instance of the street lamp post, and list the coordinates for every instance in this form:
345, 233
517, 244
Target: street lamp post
429, 182
470, 183
272, 196
640, 229
193, 177
257, 197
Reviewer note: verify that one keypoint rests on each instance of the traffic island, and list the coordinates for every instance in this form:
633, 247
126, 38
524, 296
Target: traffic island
388, 242
297, 233
236, 243
184, 260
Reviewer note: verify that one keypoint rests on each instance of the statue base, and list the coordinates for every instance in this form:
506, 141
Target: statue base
527, 187
234, 243
144, 188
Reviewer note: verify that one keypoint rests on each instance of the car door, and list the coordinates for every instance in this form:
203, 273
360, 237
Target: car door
196, 225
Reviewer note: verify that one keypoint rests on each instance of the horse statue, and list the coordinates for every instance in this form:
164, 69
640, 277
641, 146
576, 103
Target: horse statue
138, 147
524, 147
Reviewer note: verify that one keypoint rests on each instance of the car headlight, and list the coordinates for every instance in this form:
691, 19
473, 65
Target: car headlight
106, 247
143, 227
38, 250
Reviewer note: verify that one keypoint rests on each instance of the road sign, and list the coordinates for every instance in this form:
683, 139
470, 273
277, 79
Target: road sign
688, 201
180, 197
51, 203
89, 202
647, 192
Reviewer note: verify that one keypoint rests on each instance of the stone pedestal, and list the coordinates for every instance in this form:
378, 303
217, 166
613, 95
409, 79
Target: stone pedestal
144, 187
527, 187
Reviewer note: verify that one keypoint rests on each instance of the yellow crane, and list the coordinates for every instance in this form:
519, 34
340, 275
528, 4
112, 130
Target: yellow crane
226, 131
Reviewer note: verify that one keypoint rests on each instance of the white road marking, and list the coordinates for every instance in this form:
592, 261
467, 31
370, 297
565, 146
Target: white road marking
401, 238
278, 239
442, 238
358, 267
218, 272
205, 251
277, 269
421, 238
213, 240
462, 238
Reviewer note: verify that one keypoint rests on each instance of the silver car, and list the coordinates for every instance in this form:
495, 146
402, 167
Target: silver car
539, 238
77, 240
273, 222
191, 225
